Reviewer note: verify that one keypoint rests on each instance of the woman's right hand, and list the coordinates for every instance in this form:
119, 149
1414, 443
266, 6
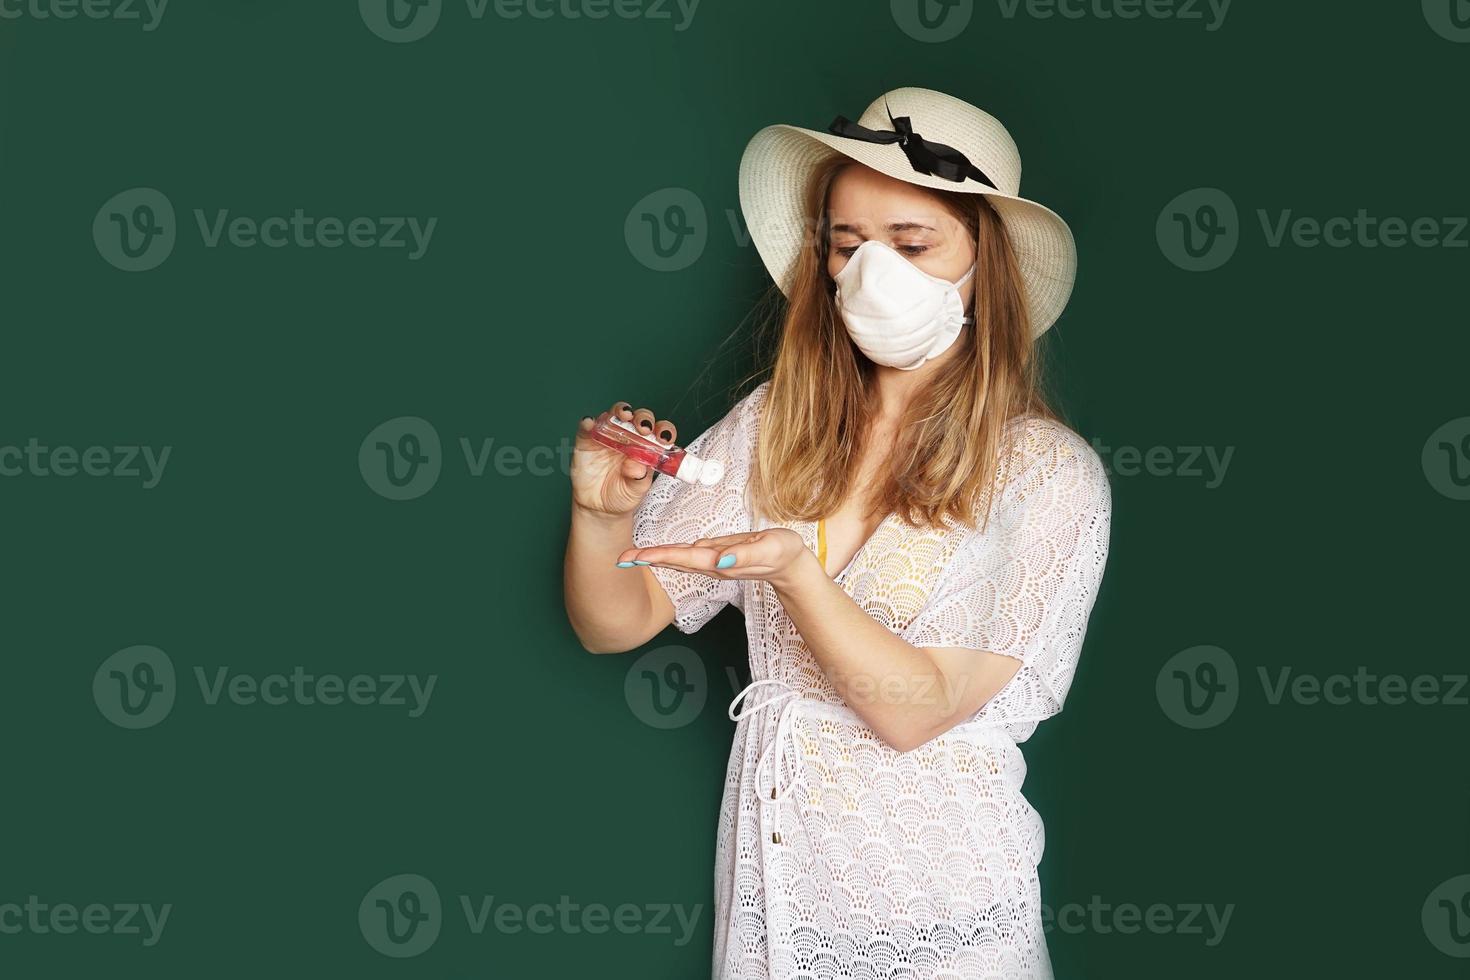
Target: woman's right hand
604, 481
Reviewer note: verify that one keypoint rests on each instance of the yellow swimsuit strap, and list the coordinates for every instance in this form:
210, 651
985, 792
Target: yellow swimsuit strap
822, 542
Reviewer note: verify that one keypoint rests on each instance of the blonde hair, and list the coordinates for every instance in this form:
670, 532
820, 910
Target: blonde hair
953, 437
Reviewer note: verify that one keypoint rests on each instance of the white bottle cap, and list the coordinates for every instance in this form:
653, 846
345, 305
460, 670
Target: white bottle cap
692, 469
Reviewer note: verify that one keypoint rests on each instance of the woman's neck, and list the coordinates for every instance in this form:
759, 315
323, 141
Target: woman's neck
894, 386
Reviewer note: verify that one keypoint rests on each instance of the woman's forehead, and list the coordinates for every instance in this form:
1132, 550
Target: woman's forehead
861, 197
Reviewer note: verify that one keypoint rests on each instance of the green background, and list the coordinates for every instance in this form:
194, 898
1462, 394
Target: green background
529, 777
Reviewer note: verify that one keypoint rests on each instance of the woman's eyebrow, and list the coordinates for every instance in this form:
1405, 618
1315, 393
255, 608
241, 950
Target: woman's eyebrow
895, 226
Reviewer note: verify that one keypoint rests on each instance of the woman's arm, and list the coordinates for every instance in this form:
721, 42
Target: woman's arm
907, 694
1015, 602
611, 610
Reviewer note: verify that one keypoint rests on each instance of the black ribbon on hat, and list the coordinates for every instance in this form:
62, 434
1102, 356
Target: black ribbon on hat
926, 157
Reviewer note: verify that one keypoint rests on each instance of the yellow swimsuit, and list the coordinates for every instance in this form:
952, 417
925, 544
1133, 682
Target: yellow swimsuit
822, 542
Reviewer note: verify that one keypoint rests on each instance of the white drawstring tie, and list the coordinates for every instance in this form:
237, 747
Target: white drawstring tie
783, 731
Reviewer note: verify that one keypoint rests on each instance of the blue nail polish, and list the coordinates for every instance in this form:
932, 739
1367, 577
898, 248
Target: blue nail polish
640, 561
625, 564
725, 562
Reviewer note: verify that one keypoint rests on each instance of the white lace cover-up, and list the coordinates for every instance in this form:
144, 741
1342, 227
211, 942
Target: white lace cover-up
919, 865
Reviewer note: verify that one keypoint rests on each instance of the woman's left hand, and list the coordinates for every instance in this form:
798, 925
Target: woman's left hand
772, 555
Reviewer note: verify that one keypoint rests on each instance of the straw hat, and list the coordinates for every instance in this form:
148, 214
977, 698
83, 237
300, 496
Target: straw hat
925, 138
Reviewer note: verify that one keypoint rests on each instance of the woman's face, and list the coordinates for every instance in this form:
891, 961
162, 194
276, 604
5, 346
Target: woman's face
864, 205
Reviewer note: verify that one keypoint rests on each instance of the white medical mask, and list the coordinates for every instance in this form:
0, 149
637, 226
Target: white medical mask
897, 314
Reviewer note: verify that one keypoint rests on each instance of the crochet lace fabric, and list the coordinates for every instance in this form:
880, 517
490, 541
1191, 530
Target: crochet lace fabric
890, 864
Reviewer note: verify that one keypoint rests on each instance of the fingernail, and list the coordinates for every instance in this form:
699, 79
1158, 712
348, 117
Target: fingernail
625, 564
725, 562
640, 561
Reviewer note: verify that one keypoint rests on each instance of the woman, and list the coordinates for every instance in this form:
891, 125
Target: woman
913, 537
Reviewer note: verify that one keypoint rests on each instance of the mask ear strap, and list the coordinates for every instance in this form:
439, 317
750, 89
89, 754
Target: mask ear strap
969, 320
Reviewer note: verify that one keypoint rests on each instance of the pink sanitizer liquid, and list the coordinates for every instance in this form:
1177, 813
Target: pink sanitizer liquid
625, 437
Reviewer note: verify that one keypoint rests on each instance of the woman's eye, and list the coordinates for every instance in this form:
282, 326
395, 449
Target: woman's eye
846, 250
